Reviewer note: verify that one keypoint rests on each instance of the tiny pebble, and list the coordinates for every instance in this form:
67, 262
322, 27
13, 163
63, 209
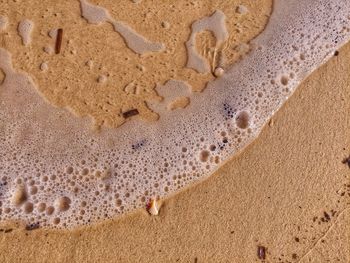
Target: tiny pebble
219, 72
44, 66
165, 25
241, 9
101, 79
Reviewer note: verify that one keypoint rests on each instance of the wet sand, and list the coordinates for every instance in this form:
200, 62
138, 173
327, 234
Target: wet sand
95, 74
288, 192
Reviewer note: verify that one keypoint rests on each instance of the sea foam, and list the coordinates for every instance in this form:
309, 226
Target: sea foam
56, 172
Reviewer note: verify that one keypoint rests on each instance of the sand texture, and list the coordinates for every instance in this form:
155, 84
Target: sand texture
289, 192
97, 74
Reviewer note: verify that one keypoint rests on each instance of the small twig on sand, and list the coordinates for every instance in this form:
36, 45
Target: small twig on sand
59, 41
130, 113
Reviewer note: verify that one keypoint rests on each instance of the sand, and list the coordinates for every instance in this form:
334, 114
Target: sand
289, 192
131, 157
95, 74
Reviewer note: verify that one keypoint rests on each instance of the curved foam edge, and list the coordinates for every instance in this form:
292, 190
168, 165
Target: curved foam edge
56, 172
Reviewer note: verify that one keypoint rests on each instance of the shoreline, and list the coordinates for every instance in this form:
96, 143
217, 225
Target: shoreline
168, 155
269, 195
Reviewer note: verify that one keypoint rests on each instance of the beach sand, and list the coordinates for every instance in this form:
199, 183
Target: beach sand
90, 52
288, 192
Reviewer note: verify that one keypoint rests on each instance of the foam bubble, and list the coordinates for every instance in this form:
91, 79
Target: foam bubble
63, 203
19, 196
56, 170
242, 120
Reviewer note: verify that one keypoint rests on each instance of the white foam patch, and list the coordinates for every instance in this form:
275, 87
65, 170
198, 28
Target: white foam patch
94, 14
137, 43
25, 28
56, 172
214, 23
172, 90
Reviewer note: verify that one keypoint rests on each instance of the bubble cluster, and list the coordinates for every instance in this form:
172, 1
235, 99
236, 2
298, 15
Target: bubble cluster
56, 172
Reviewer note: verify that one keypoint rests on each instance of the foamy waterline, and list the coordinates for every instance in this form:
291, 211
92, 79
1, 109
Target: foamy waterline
70, 176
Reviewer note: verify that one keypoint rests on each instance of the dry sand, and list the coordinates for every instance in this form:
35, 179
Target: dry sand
289, 192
